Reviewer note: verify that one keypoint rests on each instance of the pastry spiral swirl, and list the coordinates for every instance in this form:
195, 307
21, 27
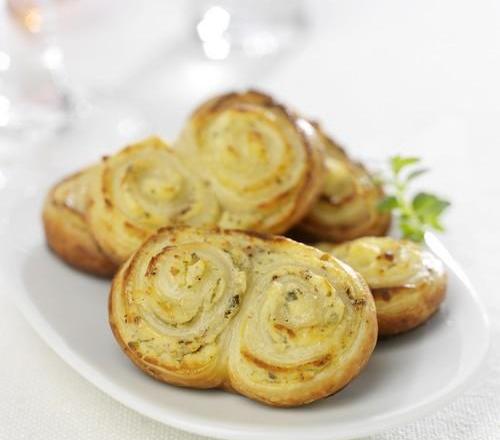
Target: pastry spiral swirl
408, 282
264, 163
243, 161
171, 302
65, 228
347, 206
272, 319
143, 187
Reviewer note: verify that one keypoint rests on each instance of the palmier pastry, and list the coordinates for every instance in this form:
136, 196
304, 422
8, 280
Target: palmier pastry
141, 188
264, 163
272, 319
347, 206
407, 281
65, 227
242, 161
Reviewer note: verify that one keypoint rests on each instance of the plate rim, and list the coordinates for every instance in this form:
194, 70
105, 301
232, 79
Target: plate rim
378, 424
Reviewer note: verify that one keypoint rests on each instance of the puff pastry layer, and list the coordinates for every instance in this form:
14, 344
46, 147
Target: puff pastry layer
347, 206
66, 229
264, 163
275, 320
142, 188
407, 281
242, 161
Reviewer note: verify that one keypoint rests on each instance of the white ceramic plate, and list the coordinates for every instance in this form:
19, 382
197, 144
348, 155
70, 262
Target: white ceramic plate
407, 376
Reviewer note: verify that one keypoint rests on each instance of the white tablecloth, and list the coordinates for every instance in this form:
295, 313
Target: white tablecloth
386, 76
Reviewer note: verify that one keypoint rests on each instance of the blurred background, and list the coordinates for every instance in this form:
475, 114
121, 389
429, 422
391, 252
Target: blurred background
381, 75
79, 78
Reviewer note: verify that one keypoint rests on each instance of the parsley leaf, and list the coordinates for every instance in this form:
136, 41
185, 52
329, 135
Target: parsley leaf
416, 215
387, 204
416, 173
400, 162
429, 208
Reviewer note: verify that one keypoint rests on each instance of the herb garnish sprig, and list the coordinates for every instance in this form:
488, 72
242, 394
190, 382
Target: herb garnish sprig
416, 214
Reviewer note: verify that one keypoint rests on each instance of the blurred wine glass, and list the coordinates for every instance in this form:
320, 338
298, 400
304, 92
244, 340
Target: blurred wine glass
36, 96
249, 28
222, 45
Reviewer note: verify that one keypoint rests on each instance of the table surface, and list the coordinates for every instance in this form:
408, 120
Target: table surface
385, 77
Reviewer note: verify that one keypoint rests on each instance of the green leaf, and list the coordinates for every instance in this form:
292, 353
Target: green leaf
428, 208
416, 214
411, 231
387, 204
400, 162
429, 204
416, 173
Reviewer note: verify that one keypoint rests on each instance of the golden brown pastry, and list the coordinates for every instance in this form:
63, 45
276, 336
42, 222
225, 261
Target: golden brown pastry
264, 163
65, 227
272, 319
407, 281
242, 161
140, 189
347, 206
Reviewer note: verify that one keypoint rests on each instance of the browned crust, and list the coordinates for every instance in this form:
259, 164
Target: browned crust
251, 358
313, 184
411, 314
400, 309
68, 236
220, 377
334, 384
310, 230
252, 235
72, 238
356, 366
199, 379
310, 189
